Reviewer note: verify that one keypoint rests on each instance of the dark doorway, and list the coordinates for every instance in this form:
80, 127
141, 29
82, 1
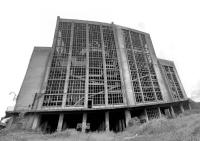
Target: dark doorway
49, 122
96, 120
71, 120
117, 121
139, 113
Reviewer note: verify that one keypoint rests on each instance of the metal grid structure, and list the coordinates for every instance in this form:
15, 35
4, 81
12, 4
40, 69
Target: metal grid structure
114, 86
58, 69
144, 81
77, 76
173, 83
96, 72
92, 44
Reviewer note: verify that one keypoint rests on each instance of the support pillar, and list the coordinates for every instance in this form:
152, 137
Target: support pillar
35, 122
159, 112
84, 122
172, 112
107, 121
146, 116
127, 117
182, 109
189, 106
60, 122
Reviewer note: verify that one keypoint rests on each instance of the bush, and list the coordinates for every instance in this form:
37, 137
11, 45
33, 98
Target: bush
156, 126
134, 122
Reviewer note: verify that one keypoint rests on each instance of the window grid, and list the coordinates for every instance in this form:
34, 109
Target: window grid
52, 100
77, 75
75, 99
58, 68
96, 75
141, 68
115, 95
132, 67
173, 82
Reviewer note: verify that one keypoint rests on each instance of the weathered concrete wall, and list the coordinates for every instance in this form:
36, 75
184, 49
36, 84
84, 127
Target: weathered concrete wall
125, 68
33, 78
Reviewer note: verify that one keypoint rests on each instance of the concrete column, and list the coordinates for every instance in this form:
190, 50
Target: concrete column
127, 117
10, 121
107, 121
190, 108
84, 122
182, 109
35, 122
60, 122
172, 112
146, 116
160, 114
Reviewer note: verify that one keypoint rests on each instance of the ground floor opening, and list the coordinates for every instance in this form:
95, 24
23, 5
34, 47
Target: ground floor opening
117, 120
72, 121
96, 121
48, 122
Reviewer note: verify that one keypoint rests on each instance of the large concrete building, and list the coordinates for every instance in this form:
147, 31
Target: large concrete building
97, 76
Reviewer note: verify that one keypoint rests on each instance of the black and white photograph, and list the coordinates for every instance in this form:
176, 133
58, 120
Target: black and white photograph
100, 70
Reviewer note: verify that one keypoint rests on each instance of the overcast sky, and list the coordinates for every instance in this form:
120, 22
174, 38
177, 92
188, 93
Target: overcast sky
174, 26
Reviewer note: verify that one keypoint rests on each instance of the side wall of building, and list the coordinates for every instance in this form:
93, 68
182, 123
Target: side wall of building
171, 64
33, 78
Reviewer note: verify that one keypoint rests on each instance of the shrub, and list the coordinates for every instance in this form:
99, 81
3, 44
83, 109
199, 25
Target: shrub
134, 122
156, 126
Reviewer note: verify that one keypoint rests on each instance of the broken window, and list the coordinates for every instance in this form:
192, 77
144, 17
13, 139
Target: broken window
58, 68
96, 75
76, 83
52, 100
144, 80
173, 82
115, 95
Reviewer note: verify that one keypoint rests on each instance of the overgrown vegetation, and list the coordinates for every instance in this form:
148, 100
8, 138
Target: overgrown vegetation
186, 127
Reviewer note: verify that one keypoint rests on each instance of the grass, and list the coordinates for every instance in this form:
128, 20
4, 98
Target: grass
185, 127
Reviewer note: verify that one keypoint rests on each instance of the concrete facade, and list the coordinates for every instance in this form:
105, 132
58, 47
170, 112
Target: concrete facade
97, 76
33, 78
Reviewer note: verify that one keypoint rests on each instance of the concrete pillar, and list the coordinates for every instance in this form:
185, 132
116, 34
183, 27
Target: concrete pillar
10, 121
35, 122
182, 109
60, 122
190, 108
159, 112
172, 112
127, 117
107, 121
84, 122
146, 116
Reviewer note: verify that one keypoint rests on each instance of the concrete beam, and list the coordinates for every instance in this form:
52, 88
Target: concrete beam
84, 122
60, 122
107, 121
127, 117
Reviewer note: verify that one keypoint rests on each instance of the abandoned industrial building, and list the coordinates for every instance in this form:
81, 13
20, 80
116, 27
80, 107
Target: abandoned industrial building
96, 77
